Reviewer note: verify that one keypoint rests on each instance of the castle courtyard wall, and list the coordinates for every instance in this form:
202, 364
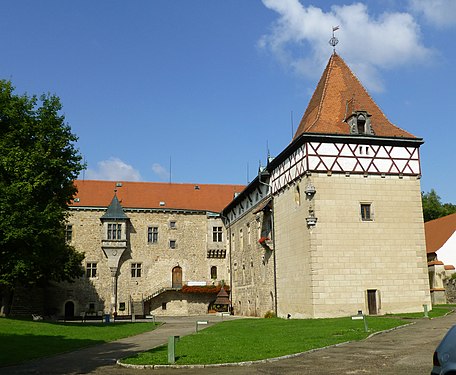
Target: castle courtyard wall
193, 242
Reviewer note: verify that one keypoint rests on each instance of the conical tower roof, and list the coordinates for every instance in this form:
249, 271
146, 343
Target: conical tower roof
114, 211
222, 297
338, 94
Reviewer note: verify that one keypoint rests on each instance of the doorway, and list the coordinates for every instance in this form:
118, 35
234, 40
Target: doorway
372, 301
69, 309
177, 277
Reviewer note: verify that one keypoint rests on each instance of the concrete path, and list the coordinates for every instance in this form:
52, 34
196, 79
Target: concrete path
403, 351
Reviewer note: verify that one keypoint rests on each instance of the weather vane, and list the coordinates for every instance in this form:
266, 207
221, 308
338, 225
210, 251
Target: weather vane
333, 41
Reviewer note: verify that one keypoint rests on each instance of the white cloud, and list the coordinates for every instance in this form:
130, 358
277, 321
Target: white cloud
160, 171
299, 39
440, 13
113, 169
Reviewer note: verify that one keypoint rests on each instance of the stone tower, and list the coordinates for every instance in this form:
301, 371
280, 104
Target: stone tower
345, 205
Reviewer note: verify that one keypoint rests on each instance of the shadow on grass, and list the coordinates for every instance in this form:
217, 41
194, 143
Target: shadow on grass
15, 349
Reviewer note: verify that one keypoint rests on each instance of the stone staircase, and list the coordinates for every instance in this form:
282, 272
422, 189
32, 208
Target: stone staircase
159, 289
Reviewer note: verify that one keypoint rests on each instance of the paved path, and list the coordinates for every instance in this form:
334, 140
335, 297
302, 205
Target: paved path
404, 351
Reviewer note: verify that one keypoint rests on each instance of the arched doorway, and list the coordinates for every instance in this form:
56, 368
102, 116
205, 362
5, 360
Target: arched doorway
177, 277
69, 309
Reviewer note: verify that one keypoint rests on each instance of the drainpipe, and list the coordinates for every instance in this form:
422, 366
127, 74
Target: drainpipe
274, 257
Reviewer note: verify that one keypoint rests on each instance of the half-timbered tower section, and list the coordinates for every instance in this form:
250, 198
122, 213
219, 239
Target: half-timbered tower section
149, 248
345, 210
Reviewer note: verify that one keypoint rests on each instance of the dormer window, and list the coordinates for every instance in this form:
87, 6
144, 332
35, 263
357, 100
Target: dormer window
360, 123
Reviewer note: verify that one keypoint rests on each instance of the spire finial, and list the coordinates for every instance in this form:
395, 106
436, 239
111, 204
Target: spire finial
333, 41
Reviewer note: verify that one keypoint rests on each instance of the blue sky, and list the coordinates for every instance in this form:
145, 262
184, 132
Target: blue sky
212, 85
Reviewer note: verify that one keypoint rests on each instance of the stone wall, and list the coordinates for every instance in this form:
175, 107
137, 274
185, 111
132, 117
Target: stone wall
192, 233
252, 263
450, 290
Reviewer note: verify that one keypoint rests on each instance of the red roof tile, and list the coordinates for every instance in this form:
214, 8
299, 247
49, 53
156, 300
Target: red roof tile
438, 232
339, 92
200, 197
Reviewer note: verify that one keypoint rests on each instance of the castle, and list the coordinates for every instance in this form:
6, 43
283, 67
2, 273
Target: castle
330, 226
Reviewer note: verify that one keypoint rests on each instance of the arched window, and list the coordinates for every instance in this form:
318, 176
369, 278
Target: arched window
213, 272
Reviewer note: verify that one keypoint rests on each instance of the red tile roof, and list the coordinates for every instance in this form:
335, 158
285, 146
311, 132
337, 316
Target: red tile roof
339, 92
438, 232
201, 197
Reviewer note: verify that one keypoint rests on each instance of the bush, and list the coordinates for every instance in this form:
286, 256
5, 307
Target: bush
270, 314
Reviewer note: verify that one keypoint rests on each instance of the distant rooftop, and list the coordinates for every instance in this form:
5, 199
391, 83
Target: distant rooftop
199, 197
438, 232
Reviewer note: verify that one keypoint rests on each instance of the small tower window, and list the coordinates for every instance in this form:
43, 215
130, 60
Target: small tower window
361, 124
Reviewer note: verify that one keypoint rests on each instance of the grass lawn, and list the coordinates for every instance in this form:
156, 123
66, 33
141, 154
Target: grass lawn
21, 340
437, 310
254, 339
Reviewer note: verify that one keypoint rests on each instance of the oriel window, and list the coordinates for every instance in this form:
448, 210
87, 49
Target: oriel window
114, 231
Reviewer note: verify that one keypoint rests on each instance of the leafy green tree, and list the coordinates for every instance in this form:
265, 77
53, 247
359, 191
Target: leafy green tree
433, 207
38, 164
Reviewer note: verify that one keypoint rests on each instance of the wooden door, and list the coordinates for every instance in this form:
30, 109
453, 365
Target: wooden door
372, 301
177, 277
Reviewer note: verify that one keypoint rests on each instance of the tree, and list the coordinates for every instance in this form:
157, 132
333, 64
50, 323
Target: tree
433, 207
38, 164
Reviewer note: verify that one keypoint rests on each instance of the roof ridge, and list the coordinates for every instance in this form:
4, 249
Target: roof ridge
157, 182
325, 86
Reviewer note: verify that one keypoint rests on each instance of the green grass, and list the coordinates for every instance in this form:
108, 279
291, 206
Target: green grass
21, 340
437, 311
254, 339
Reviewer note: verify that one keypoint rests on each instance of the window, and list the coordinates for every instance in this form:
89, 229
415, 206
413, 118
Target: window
213, 272
91, 270
136, 270
217, 234
241, 240
122, 306
114, 231
361, 124
172, 244
152, 234
163, 305
172, 224
68, 233
366, 212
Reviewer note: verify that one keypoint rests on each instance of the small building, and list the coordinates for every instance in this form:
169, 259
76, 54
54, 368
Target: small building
441, 256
